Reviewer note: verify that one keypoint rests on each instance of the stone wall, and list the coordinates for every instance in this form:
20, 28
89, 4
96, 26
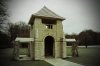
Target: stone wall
39, 32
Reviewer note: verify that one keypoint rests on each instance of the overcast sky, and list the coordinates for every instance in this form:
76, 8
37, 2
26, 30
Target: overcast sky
80, 14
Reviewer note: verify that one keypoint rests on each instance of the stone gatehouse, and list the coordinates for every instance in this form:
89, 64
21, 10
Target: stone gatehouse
47, 31
46, 37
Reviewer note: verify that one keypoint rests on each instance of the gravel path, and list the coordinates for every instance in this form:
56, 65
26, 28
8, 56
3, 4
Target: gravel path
61, 62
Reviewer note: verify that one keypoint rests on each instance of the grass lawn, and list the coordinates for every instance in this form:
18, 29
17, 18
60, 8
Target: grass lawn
23, 51
87, 56
6, 59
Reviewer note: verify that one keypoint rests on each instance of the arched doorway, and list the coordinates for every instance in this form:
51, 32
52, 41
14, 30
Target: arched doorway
49, 42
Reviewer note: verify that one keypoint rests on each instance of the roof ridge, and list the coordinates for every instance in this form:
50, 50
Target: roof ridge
47, 13
52, 11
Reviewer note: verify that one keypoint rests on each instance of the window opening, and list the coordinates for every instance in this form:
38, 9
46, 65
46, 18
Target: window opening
49, 26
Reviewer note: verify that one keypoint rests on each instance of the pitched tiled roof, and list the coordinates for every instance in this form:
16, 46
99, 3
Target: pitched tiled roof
45, 12
70, 40
20, 39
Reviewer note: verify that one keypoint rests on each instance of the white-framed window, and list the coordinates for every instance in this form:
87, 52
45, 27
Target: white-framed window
49, 26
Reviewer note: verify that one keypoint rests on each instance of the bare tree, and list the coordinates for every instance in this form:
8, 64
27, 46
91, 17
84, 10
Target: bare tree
19, 29
3, 11
23, 29
85, 38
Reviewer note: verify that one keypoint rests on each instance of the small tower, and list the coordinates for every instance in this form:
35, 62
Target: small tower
47, 31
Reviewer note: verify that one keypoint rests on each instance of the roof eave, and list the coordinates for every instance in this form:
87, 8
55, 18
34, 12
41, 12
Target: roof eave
31, 19
45, 17
48, 17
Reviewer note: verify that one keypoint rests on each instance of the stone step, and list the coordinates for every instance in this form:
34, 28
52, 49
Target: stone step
24, 57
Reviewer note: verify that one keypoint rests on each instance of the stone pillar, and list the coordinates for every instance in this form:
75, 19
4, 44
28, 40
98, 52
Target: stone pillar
30, 48
39, 50
64, 53
16, 50
57, 50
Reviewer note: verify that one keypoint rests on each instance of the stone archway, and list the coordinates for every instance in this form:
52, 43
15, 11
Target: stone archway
49, 46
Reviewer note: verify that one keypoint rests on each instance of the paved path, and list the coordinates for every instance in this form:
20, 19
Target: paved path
61, 62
